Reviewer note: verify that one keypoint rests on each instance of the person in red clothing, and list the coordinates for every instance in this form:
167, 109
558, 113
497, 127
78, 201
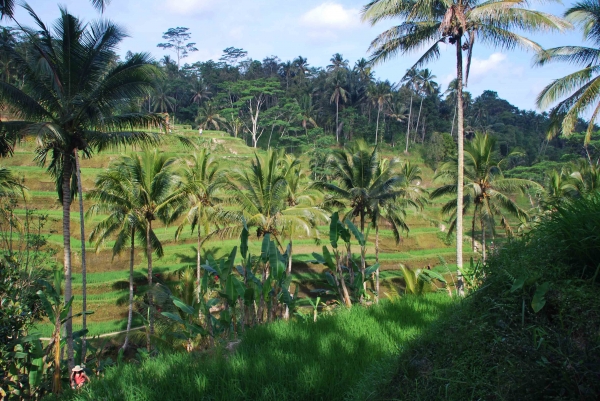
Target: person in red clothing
78, 377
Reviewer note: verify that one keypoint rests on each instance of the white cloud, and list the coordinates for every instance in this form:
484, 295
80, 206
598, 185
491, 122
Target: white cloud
331, 16
188, 7
496, 66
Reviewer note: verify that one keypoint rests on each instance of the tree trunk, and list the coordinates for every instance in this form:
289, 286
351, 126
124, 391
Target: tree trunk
483, 255
337, 125
66, 204
362, 251
418, 118
286, 313
130, 309
150, 303
342, 282
453, 118
377, 261
408, 124
377, 125
83, 258
198, 266
460, 176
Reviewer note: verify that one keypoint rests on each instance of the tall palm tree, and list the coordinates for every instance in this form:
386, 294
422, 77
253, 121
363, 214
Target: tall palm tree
163, 102
486, 189
202, 180
263, 191
73, 88
426, 87
208, 115
410, 80
287, 71
302, 66
379, 93
301, 199
579, 90
459, 23
337, 82
200, 91
307, 112
115, 196
337, 63
360, 182
393, 210
158, 196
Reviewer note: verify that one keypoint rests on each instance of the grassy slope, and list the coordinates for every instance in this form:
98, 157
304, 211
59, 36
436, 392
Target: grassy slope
279, 361
495, 346
106, 274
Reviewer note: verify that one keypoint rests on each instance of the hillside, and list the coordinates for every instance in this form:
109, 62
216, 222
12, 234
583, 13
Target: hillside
107, 276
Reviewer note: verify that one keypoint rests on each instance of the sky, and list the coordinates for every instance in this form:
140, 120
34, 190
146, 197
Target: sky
315, 29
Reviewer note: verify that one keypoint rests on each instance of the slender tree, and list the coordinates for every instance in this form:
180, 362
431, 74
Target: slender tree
73, 89
338, 93
486, 189
115, 196
159, 196
459, 23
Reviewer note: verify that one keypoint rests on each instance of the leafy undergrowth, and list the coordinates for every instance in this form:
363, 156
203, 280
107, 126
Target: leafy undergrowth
495, 346
279, 361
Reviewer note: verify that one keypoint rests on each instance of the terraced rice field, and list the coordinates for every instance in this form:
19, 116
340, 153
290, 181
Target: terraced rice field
107, 276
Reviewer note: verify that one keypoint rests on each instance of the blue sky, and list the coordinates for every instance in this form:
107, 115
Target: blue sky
314, 29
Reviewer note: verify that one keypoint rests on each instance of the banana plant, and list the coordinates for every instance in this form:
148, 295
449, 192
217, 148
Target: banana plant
345, 278
58, 314
419, 281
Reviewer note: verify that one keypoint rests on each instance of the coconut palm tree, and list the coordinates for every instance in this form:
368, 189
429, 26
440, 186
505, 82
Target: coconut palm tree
159, 195
579, 90
73, 89
202, 180
337, 63
9, 183
379, 93
486, 190
301, 199
459, 23
410, 80
200, 91
163, 102
115, 197
308, 113
7, 7
393, 210
337, 82
262, 192
426, 87
208, 115
360, 182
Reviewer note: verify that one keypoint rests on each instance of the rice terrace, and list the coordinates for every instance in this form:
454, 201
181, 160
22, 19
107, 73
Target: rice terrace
416, 218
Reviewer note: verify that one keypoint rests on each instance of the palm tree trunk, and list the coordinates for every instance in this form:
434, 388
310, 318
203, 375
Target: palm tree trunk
460, 176
483, 255
66, 204
408, 124
149, 257
377, 261
337, 125
130, 309
83, 258
362, 251
418, 118
286, 313
198, 266
377, 126
453, 118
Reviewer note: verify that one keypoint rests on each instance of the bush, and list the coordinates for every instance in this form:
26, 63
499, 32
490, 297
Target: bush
530, 332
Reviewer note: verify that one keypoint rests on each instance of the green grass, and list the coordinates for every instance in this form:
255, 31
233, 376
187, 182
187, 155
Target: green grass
279, 361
